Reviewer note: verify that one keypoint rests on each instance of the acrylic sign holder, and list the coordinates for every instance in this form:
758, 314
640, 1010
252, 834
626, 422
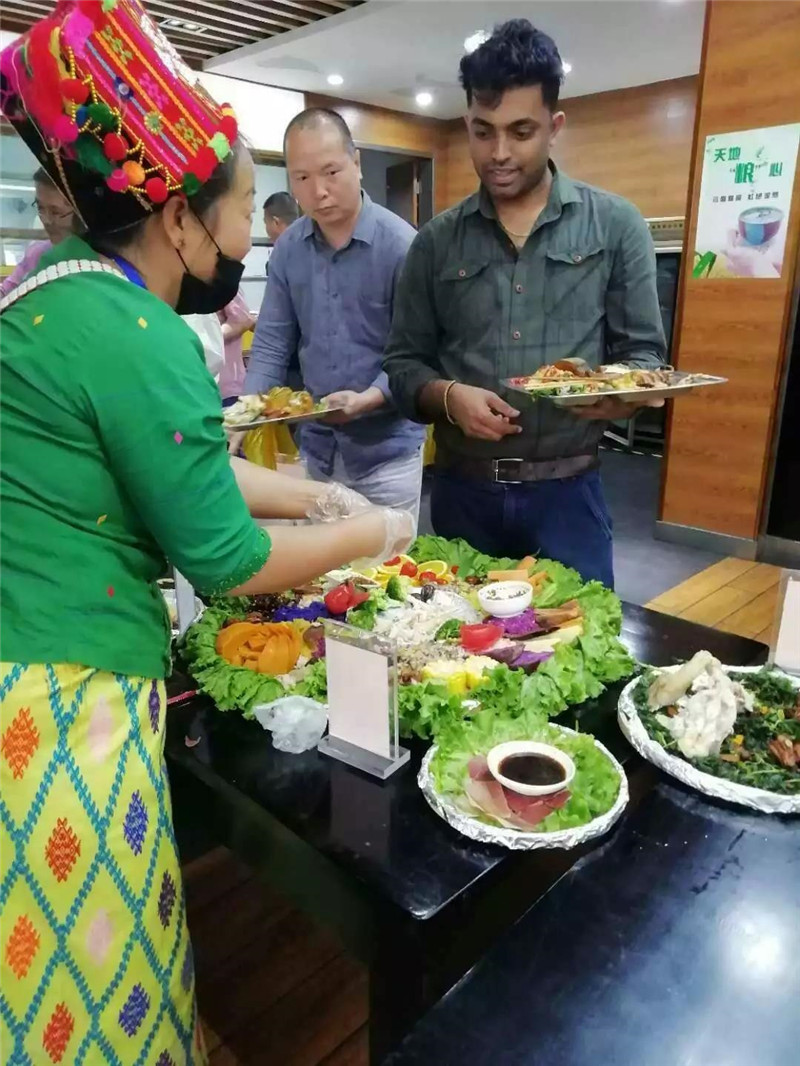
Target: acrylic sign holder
363, 728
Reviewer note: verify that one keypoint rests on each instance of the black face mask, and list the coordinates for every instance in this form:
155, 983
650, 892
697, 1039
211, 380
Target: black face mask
198, 297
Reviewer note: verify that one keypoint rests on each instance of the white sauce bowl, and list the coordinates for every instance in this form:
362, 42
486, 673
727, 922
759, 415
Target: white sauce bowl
530, 747
504, 599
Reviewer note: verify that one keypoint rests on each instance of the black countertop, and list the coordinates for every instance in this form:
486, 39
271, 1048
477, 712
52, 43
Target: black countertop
383, 834
675, 944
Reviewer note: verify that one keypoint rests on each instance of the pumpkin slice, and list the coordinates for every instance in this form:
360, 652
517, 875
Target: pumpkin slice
229, 638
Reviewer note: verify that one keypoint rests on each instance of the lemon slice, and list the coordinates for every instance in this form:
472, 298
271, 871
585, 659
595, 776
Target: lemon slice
438, 567
369, 572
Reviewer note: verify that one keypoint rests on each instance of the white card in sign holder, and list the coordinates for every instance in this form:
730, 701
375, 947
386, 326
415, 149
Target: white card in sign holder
362, 701
785, 646
185, 602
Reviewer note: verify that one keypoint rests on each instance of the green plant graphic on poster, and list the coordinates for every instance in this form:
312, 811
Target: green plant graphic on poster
745, 199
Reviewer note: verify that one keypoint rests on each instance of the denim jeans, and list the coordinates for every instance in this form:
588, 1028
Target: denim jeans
397, 483
564, 519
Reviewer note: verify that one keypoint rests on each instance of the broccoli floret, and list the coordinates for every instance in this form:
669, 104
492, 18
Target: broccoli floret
395, 589
449, 630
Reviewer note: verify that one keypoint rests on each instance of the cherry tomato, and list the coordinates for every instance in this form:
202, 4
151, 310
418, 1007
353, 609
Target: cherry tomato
338, 599
393, 562
409, 570
480, 637
427, 575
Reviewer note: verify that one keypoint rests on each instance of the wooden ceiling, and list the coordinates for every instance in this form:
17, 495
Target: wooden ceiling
203, 29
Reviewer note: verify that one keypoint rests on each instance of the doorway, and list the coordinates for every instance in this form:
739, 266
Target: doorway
402, 183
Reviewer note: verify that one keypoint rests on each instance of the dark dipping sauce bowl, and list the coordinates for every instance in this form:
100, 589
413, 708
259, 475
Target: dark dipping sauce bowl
531, 768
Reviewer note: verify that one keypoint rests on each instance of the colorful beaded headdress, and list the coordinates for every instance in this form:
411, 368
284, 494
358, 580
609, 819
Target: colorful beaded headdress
108, 107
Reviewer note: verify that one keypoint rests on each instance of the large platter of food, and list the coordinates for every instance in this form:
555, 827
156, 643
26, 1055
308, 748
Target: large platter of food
579, 792
730, 732
280, 404
569, 384
454, 658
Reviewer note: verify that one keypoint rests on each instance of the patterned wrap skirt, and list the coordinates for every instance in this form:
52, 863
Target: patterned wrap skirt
96, 963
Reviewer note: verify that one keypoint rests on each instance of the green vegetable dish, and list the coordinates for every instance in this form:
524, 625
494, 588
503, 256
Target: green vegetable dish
762, 747
566, 657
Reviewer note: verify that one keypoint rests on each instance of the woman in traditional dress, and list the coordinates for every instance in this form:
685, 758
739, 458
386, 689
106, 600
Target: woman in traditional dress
113, 461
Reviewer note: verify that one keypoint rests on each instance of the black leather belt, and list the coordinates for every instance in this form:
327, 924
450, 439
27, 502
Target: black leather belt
514, 471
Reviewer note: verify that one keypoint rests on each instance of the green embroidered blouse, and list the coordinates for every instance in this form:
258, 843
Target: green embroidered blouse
113, 461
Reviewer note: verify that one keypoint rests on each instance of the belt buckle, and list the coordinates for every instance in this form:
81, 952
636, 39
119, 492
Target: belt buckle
505, 480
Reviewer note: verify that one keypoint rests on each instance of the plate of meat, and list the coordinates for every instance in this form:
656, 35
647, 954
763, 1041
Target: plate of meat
477, 794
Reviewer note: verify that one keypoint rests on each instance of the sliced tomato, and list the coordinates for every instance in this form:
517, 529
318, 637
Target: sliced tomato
409, 570
481, 636
453, 569
357, 598
393, 562
338, 599
427, 575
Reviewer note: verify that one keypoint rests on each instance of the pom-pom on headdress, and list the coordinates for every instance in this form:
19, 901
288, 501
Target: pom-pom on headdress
108, 107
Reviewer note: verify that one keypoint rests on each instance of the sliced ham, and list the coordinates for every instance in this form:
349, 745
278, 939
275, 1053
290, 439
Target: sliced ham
511, 808
479, 769
489, 797
557, 799
532, 809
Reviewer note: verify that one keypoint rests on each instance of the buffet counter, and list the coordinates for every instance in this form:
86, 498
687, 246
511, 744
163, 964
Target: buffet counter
676, 943
417, 902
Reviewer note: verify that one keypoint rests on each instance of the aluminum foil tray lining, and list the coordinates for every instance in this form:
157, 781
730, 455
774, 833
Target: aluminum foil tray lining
758, 799
514, 839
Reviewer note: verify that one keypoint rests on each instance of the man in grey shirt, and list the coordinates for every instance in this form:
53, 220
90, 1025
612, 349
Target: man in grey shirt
532, 269
330, 296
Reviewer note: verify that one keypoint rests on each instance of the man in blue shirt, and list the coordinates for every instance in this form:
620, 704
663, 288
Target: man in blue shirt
332, 279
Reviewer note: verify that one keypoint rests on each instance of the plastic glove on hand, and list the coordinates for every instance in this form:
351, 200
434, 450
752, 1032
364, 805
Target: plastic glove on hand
337, 501
400, 529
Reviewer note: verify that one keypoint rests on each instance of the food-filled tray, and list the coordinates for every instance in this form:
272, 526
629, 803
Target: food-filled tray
277, 405
623, 383
318, 412
697, 773
471, 823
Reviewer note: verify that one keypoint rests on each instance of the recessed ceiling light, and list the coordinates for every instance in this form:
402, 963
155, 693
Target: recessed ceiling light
566, 67
335, 79
181, 24
475, 40
424, 99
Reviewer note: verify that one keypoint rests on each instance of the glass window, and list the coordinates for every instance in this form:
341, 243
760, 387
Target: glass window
19, 223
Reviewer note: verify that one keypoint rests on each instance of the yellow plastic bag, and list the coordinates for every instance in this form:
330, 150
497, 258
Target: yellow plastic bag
264, 444
429, 451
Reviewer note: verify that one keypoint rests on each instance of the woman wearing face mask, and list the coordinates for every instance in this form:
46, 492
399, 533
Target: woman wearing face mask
114, 460
58, 219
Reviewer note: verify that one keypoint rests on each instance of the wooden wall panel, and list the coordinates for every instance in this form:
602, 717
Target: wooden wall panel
635, 142
379, 127
719, 442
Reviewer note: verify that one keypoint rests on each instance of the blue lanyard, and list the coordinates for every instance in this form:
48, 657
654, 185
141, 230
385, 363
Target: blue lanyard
130, 271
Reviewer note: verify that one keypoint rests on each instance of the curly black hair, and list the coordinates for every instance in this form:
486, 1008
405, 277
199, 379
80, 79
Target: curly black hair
516, 55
